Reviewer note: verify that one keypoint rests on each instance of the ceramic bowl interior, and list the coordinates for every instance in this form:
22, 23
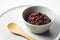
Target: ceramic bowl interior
41, 9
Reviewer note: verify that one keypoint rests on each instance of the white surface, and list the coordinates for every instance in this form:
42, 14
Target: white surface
8, 4
58, 37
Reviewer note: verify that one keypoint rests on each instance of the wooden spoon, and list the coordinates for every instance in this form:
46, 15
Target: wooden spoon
14, 28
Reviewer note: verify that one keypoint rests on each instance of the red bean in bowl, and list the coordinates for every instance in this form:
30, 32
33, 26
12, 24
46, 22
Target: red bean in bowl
38, 19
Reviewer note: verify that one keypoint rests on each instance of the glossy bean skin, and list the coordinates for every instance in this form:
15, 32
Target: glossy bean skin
38, 19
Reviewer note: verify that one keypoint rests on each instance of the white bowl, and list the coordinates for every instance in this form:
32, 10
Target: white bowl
42, 9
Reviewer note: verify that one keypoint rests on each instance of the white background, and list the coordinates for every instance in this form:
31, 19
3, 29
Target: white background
8, 4
52, 4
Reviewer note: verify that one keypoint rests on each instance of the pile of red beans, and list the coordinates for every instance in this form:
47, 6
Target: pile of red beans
38, 19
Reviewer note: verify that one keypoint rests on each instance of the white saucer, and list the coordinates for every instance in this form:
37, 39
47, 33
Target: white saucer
15, 15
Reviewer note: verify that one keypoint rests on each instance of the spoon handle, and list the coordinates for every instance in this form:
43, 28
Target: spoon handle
28, 37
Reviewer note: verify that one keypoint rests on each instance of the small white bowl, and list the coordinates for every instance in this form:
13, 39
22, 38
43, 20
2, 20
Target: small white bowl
42, 9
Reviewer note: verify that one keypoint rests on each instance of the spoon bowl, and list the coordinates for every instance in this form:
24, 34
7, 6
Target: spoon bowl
14, 28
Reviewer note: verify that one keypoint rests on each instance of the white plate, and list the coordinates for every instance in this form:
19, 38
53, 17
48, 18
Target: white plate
15, 15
